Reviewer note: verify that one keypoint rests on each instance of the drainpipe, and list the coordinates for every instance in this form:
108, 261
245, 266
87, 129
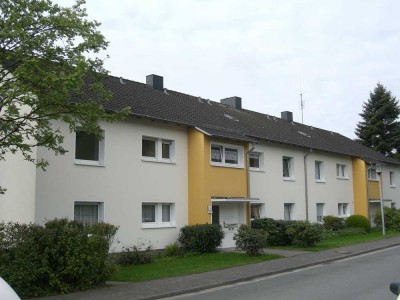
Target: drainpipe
306, 181
248, 180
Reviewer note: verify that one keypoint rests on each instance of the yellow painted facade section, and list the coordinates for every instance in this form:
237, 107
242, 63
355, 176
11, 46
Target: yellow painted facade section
206, 181
361, 205
373, 189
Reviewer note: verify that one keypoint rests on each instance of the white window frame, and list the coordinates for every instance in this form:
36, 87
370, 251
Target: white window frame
261, 210
342, 171
223, 163
159, 223
392, 178
260, 161
320, 207
343, 210
320, 165
291, 211
101, 160
159, 142
290, 161
99, 205
372, 174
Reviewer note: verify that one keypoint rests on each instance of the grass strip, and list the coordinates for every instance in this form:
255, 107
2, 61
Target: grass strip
177, 266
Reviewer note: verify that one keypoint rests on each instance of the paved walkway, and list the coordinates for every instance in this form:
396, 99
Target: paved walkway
161, 288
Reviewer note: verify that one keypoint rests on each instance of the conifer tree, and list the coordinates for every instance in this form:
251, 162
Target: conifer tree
380, 127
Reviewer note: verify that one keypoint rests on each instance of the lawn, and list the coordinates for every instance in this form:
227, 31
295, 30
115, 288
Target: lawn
177, 266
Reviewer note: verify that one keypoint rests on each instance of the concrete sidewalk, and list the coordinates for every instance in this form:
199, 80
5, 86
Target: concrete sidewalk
161, 288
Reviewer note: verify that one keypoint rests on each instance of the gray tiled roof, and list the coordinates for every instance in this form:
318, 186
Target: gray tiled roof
221, 121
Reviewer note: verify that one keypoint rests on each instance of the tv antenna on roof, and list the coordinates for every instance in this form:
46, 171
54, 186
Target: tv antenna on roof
301, 107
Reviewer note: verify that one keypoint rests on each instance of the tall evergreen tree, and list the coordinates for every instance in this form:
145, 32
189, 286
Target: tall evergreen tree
380, 128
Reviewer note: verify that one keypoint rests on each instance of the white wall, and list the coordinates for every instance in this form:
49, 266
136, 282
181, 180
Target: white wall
122, 184
391, 192
18, 176
274, 191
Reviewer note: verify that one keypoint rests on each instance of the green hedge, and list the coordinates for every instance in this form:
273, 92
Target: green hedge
358, 221
276, 230
333, 223
304, 233
201, 238
250, 240
59, 257
392, 218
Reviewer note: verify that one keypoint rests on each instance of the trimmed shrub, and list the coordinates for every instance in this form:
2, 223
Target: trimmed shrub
392, 218
343, 232
250, 240
358, 221
304, 233
276, 230
136, 255
333, 223
173, 250
59, 257
201, 237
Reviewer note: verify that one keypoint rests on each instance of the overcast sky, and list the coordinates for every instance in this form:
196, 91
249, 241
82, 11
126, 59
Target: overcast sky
266, 52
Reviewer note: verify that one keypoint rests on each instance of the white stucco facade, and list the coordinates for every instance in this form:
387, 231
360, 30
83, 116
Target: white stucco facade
274, 190
122, 183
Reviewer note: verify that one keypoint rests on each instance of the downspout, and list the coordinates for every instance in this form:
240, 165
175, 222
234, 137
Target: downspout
306, 181
248, 181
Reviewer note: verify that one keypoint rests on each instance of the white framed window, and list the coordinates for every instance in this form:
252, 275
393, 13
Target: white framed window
226, 155
287, 168
341, 171
372, 174
319, 171
88, 212
155, 215
343, 210
320, 211
391, 179
89, 149
158, 149
288, 214
256, 161
257, 210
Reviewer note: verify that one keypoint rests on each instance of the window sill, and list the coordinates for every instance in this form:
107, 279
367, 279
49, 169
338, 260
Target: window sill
342, 178
92, 163
320, 181
257, 170
289, 179
392, 186
214, 164
373, 179
155, 226
155, 160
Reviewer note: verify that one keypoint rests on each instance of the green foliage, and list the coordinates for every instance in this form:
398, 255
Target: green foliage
250, 240
358, 221
276, 230
47, 52
392, 218
201, 237
136, 255
304, 233
59, 257
343, 232
173, 250
333, 223
380, 128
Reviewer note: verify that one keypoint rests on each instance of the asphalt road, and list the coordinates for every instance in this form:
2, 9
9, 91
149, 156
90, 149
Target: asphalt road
363, 277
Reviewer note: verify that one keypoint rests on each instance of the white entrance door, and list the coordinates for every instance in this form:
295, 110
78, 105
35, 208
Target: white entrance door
229, 220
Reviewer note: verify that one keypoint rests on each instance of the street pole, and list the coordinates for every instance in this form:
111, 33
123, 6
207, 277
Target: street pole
379, 172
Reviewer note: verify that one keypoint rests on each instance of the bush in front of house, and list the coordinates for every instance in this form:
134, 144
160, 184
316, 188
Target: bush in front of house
276, 230
358, 221
392, 218
201, 238
60, 257
304, 233
250, 240
333, 223
138, 254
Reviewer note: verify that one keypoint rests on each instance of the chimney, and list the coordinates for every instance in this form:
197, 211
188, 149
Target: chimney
155, 81
235, 102
287, 115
